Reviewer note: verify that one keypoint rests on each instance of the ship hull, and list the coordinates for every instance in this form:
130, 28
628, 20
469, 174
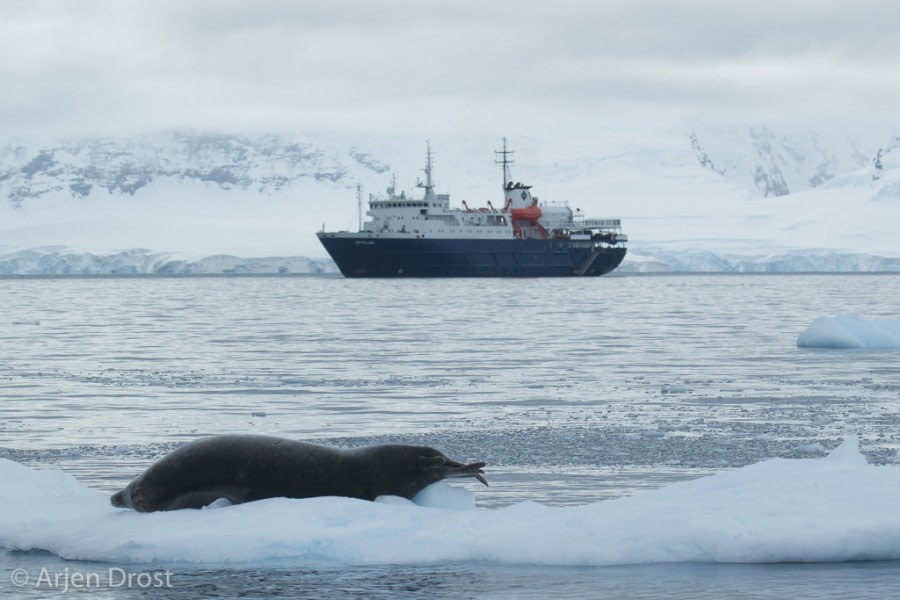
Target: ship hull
366, 256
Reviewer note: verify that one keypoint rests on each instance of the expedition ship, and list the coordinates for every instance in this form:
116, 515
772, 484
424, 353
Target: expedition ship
424, 237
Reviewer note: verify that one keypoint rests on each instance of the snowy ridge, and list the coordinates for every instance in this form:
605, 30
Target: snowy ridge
777, 163
756, 158
124, 166
838, 508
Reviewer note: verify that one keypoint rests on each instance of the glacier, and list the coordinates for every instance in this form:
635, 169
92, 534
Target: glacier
140, 261
663, 260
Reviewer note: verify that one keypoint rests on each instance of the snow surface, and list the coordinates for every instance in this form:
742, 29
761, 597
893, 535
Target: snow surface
837, 508
851, 331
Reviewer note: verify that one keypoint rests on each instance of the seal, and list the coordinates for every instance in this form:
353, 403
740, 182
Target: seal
244, 468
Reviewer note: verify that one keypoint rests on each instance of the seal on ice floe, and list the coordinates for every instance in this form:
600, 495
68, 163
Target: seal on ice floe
244, 468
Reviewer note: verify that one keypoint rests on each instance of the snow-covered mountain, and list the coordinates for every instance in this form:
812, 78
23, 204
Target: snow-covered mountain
692, 197
125, 167
777, 164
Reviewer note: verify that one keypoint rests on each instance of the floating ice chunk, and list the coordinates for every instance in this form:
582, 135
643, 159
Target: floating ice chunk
851, 331
220, 503
436, 495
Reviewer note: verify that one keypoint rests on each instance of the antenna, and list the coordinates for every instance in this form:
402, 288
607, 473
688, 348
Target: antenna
393, 187
505, 160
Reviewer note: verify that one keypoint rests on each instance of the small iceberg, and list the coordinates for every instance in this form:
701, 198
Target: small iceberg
850, 331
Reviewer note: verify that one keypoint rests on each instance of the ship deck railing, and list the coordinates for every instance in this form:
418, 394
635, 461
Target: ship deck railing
598, 223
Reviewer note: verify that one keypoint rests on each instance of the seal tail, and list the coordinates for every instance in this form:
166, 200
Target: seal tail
455, 469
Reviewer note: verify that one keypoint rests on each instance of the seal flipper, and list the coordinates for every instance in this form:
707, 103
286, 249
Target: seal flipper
121, 499
202, 498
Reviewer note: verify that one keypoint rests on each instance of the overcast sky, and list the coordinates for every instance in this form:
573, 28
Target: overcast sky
121, 66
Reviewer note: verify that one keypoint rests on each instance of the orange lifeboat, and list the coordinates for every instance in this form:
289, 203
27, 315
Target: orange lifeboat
530, 214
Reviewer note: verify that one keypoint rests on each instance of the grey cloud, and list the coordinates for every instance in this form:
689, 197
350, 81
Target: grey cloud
274, 64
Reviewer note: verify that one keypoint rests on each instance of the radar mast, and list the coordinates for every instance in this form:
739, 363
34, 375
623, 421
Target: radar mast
359, 204
505, 160
428, 185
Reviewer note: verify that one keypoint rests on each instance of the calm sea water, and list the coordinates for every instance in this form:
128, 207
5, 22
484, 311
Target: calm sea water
571, 390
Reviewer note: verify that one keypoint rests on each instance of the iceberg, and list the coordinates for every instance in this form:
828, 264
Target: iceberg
851, 331
837, 508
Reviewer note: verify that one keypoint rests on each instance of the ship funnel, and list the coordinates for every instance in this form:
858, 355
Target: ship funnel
518, 196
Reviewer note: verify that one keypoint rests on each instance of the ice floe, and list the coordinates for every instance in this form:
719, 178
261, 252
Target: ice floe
836, 508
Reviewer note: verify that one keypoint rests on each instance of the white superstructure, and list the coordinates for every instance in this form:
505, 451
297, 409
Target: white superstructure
521, 216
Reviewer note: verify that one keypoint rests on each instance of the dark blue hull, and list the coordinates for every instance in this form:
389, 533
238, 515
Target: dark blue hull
365, 256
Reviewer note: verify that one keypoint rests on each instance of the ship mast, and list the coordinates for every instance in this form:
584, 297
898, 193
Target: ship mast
359, 204
505, 160
428, 185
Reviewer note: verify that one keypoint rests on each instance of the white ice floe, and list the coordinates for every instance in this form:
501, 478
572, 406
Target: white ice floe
837, 508
851, 331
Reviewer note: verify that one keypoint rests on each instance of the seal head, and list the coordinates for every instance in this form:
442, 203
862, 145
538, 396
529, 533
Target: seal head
407, 470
